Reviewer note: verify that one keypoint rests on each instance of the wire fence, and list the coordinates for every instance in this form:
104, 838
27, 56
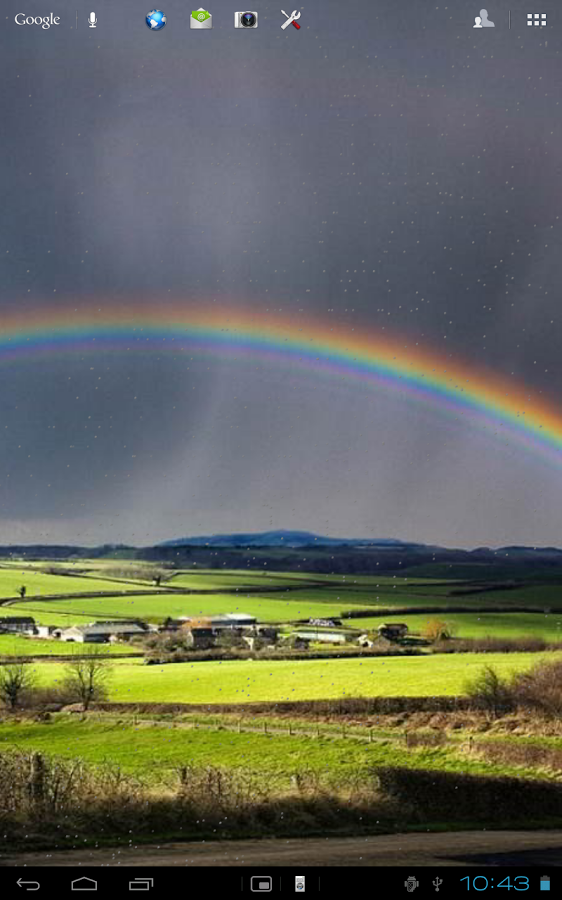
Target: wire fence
408, 739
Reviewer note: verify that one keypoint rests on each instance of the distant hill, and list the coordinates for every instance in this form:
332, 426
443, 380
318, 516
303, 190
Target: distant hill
279, 538
299, 551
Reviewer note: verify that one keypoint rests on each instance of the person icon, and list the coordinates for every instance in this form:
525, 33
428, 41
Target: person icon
478, 21
485, 20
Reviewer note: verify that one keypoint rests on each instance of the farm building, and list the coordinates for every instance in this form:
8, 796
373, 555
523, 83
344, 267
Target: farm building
267, 632
102, 632
393, 630
364, 640
199, 637
17, 624
323, 637
47, 631
217, 622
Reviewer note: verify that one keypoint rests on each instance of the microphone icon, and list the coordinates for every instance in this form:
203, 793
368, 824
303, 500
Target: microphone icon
92, 21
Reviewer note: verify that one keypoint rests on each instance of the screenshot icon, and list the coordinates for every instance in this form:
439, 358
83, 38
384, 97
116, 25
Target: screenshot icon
260, 883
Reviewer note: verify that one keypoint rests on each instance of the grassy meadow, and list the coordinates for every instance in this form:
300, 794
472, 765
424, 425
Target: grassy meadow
38, 583
242, 681
478, 625
153, 751
157, 607
20, 645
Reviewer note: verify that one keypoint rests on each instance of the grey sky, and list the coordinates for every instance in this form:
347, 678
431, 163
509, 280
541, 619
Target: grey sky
391, 165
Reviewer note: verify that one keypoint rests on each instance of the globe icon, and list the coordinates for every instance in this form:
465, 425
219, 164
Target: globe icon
156, 20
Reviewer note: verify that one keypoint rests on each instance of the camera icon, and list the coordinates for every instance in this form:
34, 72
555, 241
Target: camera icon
245, 20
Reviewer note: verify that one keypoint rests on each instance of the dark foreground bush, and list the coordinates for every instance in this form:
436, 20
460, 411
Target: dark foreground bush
45, 799
447, 796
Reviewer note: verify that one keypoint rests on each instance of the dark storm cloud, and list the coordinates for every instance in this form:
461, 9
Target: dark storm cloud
387, 168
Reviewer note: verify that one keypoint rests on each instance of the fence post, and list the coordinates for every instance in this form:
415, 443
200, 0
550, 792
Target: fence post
265, 727
239, 725
370, 735
290, 732
37, 779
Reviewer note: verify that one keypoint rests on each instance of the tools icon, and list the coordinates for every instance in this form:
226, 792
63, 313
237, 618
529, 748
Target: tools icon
291, 19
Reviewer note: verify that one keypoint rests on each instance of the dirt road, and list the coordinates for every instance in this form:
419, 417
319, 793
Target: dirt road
534, 848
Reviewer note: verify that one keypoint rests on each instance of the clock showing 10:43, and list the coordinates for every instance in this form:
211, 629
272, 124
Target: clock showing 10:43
481, 883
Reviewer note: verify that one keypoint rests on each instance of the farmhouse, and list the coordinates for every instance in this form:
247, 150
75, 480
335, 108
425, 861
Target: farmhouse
199, 637
393, 630
17, 625
102, 632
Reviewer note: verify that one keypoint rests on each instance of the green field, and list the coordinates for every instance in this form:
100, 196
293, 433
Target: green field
152, 752
17, 645
156, 607
241, 681
477, 625
360, 597
40, 583
231, 580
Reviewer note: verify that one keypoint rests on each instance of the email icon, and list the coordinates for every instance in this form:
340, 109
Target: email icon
200, 18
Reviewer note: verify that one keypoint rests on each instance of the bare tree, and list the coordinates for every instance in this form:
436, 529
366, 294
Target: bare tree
15, 678
22, 591
86, 677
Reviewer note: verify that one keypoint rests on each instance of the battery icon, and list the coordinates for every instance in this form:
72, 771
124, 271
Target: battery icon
545, 883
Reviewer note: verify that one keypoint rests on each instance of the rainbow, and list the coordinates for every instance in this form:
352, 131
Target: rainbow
340, 350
